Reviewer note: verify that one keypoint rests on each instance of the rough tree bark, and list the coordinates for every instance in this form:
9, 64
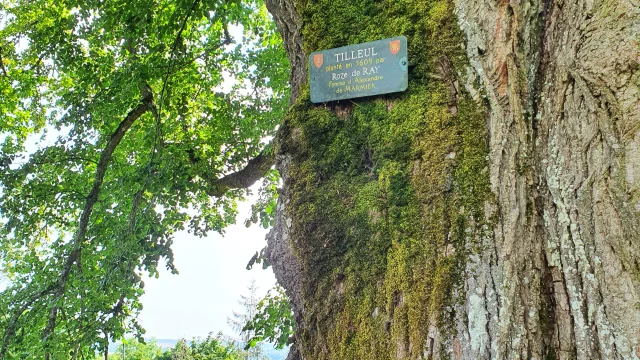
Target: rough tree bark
524, 244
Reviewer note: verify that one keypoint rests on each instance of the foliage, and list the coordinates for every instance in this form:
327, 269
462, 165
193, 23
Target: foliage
259, 257
273, 321
209, 348
116, 117
213, 348
264, 210
180, 351
250, 307
136, 350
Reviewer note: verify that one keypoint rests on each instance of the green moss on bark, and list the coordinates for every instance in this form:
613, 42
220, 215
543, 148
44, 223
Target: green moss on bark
386, 192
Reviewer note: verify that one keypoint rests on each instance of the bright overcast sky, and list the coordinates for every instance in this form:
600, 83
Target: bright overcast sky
212, 276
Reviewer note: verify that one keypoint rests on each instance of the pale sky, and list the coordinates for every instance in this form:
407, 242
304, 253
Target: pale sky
212, 276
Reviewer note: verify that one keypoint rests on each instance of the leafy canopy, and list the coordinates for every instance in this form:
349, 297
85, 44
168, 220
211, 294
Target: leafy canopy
272, 321
209, 348
121, 122
135, 350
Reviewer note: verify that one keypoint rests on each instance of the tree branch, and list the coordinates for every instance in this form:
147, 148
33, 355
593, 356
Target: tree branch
256, 169
57, 289
105, 157
289, 25
4, 70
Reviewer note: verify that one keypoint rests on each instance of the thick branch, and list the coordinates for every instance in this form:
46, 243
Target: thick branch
105, 157
289, 25
256, 169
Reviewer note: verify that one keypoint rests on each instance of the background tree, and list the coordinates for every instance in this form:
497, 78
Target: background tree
273, 321
139, 110
132, 349
209, 348
180, 351
215, 347
249, 304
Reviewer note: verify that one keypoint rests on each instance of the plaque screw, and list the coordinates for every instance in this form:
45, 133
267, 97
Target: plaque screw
404, 62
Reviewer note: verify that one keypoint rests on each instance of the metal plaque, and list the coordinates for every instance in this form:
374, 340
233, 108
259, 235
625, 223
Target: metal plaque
373, 68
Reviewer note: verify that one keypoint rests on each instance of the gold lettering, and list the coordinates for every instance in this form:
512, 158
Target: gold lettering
333, 67
352, 88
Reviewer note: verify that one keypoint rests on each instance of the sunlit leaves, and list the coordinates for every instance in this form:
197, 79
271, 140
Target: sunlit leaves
273, 321
70, 73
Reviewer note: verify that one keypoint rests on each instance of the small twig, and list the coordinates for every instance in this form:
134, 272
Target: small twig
4, 70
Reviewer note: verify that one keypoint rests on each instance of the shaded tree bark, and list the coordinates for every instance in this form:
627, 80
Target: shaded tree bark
285, 264
563, 102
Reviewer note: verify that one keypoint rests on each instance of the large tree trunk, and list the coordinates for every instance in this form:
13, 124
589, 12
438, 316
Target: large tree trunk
492, 211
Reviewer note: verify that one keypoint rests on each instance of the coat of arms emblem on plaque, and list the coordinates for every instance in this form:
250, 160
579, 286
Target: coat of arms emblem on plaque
318, 60
395, 46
